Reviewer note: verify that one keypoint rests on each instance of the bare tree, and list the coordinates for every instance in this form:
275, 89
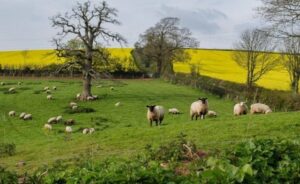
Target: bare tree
291, 58
85, 22
254, 54
163, 44
283, 15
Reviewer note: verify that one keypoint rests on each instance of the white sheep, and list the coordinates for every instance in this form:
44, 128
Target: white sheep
48, 91
72, 104
12, 90
49, 97
91, 130
46, 88
199, 108
2, 83
74, 107
12, 113
89, 98
211, 113
68, 129
52, 120
240, 109
22, 115
155, 113
27, 117
47, 126
58, 119
85, 131
118, 104
78, 96
54, 88
95, 97
112, 88
260, 108
174, 111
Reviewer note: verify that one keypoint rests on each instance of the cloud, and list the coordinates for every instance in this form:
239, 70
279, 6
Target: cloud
204, 21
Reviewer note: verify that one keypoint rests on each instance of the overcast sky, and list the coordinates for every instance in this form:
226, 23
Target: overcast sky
215, 23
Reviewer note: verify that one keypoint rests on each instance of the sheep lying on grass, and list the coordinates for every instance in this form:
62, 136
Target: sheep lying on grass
49, 97
12, 90
259, 108
240, 109
54, 88
88, 130
2, 83
211, 114
199, 108
12, 113
155, 113
68, 129
117, 104
174, 111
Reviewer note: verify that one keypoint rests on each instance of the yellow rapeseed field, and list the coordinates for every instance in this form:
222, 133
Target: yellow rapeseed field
213, 63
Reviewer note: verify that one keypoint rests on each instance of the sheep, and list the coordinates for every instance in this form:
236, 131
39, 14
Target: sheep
85, 131
112, 88
118, 104
49, 97
211, 114
89, 98
174, 111
199, 108
46, 88
2, 83
12, 90
22, 115
54, 88
68, 129
27, 117
240, 109
260, 108
72, 104
58, 119
52, 120
155, 113
70, 122
47, 126
74, 107
78, 96
12, 113
95, 97
91, 130
48, 91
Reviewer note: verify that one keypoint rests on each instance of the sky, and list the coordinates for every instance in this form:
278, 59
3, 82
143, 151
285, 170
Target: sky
25, 24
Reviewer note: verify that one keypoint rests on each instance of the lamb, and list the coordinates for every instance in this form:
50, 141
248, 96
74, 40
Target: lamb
52, 120
54, 88
174, 111
27, 117
47, 126
68, 129
91, 130
70, 122
199, 108
78, 96
240, 109
260, 108
211, 114
73, 104
12, 113
118, 104
85, 131
74, 107
90, 98
155, 113
49, 97
46, 88
22, 115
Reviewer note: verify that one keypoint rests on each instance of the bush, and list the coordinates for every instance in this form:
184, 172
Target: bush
7, 149
7, 176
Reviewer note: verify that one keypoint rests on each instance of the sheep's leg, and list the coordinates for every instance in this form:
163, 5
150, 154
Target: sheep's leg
192, 117
156, 122
151, 123
196, 117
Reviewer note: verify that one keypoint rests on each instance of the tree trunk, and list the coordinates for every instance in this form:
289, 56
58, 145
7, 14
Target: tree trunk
295, 84
87, 78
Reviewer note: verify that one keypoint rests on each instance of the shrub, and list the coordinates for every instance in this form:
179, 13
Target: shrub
7, 149
7, 176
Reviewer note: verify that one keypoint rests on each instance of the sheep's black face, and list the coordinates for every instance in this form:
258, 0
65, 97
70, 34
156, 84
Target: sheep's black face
151, 107
203, 100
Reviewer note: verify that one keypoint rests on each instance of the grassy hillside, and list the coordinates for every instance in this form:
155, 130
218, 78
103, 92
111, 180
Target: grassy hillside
121, 131
213, 63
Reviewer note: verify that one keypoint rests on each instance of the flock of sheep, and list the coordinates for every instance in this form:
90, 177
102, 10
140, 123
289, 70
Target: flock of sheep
199, 108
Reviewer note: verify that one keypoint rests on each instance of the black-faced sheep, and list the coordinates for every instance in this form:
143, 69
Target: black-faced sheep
155, 113
199, 108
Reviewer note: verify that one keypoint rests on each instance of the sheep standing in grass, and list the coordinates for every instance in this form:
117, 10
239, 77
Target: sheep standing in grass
58, 119
211, 114
85, 131
91, 130
199, 108
27, 117
68, 129
12, 113
240, 109
52, 120
47, 126
259, 108
22, 115
49, 97
155, 113
174, 111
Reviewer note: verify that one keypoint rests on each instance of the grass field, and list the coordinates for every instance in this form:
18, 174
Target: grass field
121, 131
213, 63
